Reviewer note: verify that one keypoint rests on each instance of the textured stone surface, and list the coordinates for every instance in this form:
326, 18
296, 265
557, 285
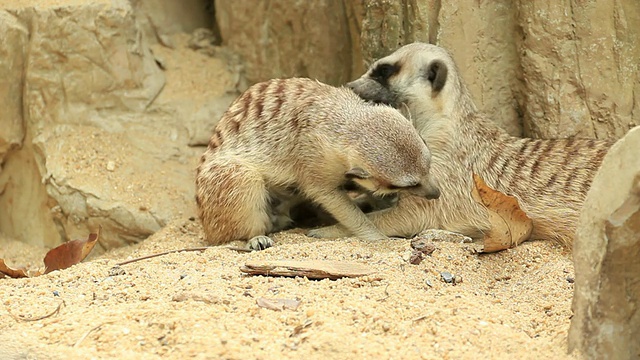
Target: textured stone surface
13, 52
606, 253
159, 19
291, 37
580, 65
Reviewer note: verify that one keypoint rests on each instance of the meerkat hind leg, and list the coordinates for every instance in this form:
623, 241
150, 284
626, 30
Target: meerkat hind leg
246, 215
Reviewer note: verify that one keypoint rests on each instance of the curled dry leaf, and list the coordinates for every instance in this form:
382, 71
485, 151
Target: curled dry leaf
61, 257
10, 272
69, 253
510, 225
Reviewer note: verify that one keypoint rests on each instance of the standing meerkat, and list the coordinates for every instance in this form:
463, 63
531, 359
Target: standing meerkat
285, 140
550, 178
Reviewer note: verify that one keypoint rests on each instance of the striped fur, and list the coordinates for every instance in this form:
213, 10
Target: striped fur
550, 178
285, 140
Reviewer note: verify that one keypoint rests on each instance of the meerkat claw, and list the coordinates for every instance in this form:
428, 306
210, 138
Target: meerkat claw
260, 242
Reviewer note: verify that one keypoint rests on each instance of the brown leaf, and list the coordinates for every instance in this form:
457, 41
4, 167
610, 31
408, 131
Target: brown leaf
278, 304
69, 253
312, 269
10, 272
510, 225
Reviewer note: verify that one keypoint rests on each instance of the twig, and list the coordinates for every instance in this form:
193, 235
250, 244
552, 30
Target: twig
21, 318
87, 334
422, 317
241, 249
386, 293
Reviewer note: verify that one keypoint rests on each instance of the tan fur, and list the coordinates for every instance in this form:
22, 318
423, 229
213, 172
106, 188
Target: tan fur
289, 139
550, 178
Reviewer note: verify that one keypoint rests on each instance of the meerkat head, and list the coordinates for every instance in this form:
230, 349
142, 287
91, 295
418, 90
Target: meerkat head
380, 186
391, 157
419, 77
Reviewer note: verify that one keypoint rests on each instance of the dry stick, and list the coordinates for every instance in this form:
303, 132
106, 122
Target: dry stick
20, 318
386, 293
180, 250
422, 317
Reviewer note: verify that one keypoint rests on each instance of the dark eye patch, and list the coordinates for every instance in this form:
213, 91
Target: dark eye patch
383, 72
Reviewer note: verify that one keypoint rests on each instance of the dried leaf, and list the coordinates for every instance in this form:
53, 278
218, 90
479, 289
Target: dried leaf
312, 269
69, 253
10, 272
278, 304
510, 225
61, 257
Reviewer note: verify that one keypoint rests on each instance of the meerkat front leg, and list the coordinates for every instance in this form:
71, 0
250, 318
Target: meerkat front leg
353, 222
404, 220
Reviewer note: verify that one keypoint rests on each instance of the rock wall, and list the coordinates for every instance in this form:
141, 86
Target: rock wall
293, 37
539, 68
606, 302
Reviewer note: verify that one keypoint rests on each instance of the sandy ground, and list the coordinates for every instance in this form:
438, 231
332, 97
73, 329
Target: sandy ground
199, 304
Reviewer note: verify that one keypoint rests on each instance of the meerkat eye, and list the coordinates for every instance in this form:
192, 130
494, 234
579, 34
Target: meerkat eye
384, 71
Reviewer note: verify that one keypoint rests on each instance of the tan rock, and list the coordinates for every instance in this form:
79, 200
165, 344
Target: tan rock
483, 38
606, 320
290, 38
90, 135
13, 52
580, 65
160, 19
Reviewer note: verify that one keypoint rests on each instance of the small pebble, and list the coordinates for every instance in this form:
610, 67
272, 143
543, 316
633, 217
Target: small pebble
457, 279
416, 257
428, 283
447, 277
56, 293
424, 246
111, 166
570, 279
116, 270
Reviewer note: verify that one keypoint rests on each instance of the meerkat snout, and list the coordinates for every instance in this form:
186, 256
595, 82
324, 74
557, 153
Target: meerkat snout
428, 190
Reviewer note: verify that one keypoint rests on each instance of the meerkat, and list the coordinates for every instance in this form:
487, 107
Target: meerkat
289, 140
550, 178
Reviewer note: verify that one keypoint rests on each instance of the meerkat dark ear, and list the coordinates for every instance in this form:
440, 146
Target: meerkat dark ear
357, 172
436, 73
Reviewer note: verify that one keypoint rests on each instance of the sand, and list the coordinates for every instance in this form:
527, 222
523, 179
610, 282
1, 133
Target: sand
515, 303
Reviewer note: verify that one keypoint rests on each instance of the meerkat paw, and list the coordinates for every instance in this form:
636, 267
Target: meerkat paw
260, 242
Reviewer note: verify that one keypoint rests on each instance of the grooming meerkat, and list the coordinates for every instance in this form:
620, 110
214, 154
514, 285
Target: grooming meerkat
286, 140
550, 178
